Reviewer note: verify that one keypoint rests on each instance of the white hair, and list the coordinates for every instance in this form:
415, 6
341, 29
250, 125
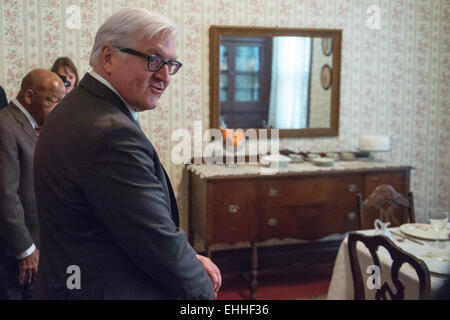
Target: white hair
127, 26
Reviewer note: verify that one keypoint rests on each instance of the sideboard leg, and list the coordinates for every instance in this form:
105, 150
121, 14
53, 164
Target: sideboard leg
208, 251
191, 237
254, 281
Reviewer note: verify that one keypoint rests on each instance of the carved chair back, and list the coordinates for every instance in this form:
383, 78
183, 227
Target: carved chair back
398, 256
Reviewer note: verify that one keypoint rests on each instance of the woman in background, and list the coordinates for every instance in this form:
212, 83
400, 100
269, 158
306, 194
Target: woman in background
66, 69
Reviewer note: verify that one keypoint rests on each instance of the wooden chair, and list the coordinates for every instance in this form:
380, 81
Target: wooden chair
398, 256
384, 203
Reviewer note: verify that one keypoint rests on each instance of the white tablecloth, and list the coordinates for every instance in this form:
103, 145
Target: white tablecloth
341, 286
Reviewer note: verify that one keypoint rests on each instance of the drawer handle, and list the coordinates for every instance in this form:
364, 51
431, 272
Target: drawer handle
351, 216
272, 222
352, 188
273, 192
232, 208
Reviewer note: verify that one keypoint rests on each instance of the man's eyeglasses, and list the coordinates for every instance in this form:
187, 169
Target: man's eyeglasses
155, 62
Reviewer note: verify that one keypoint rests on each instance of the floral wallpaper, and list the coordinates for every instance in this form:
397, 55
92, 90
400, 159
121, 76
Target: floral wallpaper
395, 75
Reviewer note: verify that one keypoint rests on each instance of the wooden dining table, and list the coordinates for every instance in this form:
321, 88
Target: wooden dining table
436, 259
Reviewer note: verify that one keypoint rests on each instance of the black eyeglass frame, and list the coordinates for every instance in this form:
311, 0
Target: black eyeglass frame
148, 58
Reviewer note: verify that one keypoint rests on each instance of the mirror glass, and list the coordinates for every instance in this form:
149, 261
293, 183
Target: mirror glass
285, 79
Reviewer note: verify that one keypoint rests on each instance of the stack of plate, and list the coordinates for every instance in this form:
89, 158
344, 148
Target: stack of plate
347, 156
333, 155
296, 158
324, 162
312, 156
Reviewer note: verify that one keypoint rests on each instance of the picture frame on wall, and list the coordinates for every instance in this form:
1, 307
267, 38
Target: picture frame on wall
325, 77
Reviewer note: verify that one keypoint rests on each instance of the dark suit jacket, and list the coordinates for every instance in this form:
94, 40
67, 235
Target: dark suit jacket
18, 215
106, 205
3, 100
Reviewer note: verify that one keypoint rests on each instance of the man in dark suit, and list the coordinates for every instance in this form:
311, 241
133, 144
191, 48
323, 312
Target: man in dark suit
3, 100
108, 216
40, 91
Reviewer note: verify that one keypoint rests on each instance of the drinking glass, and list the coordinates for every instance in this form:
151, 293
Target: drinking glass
438, 220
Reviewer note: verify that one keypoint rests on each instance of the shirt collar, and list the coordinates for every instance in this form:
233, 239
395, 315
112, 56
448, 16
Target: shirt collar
106, 83
25, 112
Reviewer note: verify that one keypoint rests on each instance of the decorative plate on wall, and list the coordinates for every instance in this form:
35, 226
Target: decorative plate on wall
325, 76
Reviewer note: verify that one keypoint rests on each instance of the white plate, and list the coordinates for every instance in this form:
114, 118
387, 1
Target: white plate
296, 158
423, 231
333, 155
437, 260
323, 162
347, 156
312, 156
279, 159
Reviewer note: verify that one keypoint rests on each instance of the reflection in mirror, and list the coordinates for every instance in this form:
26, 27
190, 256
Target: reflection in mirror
286, 79
290, 82
290, 67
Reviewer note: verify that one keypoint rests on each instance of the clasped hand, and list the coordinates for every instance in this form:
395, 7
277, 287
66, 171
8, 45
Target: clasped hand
213, 272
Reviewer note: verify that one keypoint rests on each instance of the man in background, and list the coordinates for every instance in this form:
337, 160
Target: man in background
108, 216
3, 100
40, 92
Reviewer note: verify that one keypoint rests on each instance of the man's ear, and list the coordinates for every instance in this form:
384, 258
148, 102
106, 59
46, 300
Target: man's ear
106, 58
28, 96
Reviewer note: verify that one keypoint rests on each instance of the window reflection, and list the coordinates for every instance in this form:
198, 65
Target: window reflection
223, 58
247, 87
223, 87
247, 58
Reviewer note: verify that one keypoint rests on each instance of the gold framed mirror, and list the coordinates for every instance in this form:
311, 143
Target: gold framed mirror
274, 78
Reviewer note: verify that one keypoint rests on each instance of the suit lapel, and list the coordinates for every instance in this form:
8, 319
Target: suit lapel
23, 120
99, 89
173, 202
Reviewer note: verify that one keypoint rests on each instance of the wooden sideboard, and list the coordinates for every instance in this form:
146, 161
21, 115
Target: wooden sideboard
300, 204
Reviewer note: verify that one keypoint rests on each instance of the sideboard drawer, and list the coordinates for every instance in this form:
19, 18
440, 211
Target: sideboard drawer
231, 205
307, 222
309, 190
395, 179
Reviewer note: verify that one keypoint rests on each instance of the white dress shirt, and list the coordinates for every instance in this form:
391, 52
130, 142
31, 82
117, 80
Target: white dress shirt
27, 114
